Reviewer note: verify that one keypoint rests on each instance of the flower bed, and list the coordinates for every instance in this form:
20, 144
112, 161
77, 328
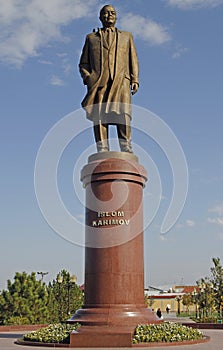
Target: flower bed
54, 333
165, 332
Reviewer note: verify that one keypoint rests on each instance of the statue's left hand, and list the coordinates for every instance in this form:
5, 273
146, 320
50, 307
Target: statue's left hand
134, 88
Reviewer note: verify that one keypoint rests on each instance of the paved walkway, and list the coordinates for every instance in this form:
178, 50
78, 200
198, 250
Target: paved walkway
177, 319
216, 343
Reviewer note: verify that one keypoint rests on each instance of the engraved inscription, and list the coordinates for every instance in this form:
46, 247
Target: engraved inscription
106, 218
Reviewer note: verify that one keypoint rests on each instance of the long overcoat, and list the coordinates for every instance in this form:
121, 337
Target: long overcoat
126, 72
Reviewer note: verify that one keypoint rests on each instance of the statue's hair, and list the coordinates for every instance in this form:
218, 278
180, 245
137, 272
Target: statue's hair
102, 9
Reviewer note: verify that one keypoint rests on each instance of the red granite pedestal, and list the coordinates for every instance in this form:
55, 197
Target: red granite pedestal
114, 263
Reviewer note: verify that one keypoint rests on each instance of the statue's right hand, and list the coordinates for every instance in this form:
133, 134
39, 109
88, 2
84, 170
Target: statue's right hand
90, 79
86, 80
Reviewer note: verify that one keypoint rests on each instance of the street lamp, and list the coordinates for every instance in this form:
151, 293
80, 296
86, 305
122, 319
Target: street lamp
178, 299
194, 295
42, 274
60, 279
201, 285
72, 281
69, 284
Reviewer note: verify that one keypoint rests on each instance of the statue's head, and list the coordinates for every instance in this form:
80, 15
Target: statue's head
108, 16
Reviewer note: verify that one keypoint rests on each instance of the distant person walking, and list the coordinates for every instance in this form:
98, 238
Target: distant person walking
167, 308
159, 313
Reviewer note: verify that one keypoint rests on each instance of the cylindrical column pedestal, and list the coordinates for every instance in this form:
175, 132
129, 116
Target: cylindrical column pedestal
114, 264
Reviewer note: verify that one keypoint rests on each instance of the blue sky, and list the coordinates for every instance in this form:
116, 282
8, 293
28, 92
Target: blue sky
179, 45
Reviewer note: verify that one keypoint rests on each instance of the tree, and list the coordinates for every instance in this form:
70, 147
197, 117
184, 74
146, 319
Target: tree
64, 298
25, 301
217, 281
187, 300
149, 301
205, 296
29, 301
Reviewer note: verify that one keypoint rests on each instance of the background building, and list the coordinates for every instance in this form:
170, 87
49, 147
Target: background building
169, 298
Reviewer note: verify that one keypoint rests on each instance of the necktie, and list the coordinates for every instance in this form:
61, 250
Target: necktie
108, 36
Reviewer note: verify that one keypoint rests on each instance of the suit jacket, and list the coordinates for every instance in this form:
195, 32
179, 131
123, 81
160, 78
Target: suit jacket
125, 72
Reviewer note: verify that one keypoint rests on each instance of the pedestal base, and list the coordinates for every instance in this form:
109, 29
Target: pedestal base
109, 326
100, 337
114, 315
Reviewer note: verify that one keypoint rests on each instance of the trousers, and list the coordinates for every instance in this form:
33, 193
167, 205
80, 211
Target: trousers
101, 130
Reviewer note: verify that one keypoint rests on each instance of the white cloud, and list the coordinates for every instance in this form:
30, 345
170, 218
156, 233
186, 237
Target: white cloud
190, 4
162, 238
56, 81
187, 223
190, 223
65, 63
217, 220
28, 25
179, 52
145, 29
217, 209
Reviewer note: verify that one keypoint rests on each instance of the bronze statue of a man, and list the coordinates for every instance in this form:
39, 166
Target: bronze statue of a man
109, 68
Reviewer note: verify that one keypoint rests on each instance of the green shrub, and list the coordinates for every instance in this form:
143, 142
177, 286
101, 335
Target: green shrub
54, 333
17, 321
206, 319
165, 332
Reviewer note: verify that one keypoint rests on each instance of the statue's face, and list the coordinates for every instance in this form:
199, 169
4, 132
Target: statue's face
108, 16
